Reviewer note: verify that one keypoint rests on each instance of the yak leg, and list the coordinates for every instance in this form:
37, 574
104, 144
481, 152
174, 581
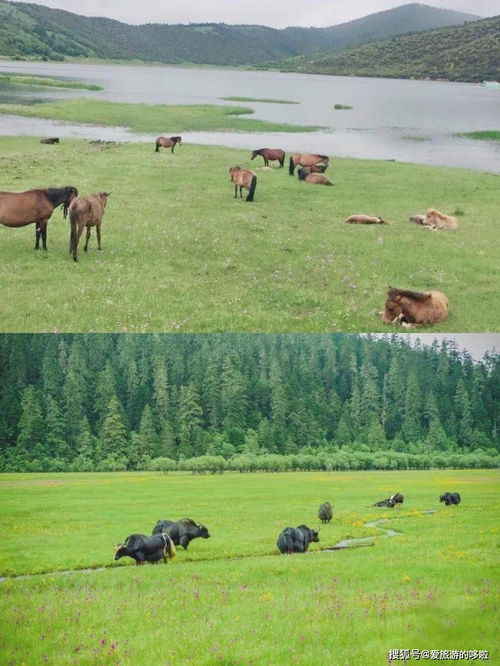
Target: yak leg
87, 238
98, 234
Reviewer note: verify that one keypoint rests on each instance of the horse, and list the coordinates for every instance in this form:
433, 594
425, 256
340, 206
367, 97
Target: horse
242, 178
270, 154
165, 142
86, 212
314, 178
364, 219
436, 220
316, 168
413, 307
418, 219
51, 141
18, 209
306, 161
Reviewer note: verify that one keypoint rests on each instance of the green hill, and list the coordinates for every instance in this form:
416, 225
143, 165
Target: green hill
469, 52
30, 30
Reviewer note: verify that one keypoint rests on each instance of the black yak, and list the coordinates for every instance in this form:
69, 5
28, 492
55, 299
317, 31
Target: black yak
325, 513
296, 539
181, 532
389, 502
450, 498
142, 548
398, 499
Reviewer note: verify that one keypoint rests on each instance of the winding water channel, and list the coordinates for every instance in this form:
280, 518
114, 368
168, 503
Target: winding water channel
341, 545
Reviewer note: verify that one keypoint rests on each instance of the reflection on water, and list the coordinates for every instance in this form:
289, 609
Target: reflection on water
404, 120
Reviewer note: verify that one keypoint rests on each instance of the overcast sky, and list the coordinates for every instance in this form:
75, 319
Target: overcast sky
476, 343
276, 13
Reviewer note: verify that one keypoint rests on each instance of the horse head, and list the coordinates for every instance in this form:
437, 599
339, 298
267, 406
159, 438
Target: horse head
70, 193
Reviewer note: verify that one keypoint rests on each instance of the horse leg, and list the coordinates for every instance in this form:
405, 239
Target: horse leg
98, 233
266, 161
241, 191
38, 233
235, 191
173, 147
43, 228
87, 238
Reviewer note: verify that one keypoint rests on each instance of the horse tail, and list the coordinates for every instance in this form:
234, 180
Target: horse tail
73, 237
251, 189
291, 168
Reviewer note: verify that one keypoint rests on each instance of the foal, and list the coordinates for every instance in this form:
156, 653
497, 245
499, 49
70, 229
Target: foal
86, 212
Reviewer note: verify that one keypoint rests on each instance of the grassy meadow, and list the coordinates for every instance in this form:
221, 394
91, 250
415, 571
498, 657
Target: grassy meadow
154, 118
232, 599
181, 254
20, 79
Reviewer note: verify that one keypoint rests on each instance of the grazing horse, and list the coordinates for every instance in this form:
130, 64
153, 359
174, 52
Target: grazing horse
364, 219
269, 155
306, 161
165, 142
18, 209
436, 220
414, 307
242, 178
86, 212
314, 178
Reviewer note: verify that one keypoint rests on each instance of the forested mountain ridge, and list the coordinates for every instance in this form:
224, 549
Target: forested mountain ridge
35, 30
463, 53
102, 402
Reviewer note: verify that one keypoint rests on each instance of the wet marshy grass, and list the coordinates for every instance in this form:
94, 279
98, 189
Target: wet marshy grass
431, 587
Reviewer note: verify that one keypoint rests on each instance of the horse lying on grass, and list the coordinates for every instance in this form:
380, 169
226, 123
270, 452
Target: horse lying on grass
414, 307
364, 219
313, 178
18, 209
306, 160
436, 220
86, 212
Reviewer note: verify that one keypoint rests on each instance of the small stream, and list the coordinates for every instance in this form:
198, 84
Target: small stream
343, 544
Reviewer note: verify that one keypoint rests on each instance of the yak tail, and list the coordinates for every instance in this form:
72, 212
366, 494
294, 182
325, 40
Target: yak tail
285, 543
291, 168
73, 237
251, 189
169, 551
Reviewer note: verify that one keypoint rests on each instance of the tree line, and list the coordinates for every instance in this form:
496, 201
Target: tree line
207, 403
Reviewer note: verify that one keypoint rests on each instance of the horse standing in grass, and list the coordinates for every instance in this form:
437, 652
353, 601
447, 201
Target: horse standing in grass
166, 142
18, 209
86, 212
242, 178
269, 155
297, 159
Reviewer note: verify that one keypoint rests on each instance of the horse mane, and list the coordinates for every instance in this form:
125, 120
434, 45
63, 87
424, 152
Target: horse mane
436, 213
393, 293
60, 195
323, 157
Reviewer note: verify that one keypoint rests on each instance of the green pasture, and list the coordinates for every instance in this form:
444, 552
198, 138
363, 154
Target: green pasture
20, 79
232, 599
149, 118
181, 254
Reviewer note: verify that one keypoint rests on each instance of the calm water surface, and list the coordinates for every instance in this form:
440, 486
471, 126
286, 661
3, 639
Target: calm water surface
410, 121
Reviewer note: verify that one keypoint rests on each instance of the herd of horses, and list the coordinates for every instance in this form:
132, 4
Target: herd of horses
404, 307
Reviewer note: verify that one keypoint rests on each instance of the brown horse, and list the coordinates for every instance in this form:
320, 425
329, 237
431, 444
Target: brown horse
165, 142
269, 155
86, 212
306, 161
18, 209
314, 178
242, 178
364, 219
436, 220
414, 307
316, 168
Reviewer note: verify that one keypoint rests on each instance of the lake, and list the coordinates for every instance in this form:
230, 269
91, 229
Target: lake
391, 119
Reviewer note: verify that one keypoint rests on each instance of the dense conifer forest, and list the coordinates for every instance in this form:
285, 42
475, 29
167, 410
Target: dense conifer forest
245, 402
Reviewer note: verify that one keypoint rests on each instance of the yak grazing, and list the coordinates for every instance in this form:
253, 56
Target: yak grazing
142, 548
450, 498
181, 532
325, 512
414, 307
296, 539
